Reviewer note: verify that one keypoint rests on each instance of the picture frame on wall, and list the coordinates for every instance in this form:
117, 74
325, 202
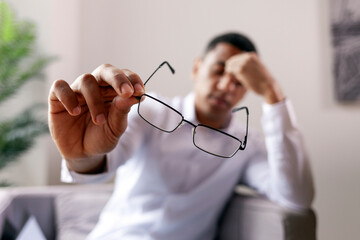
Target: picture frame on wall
345, 26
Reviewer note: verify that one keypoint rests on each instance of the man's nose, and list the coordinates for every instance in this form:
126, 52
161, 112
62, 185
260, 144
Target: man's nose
226, 83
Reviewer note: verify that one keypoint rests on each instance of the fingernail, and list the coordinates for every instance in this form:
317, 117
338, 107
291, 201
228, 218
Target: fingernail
77, 110
100, 118
125, 88
138, 88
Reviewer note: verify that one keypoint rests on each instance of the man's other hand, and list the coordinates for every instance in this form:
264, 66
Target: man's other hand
253, 74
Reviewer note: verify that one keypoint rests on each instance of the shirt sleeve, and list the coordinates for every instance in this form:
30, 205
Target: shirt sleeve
128, 143
69, 176
282, 171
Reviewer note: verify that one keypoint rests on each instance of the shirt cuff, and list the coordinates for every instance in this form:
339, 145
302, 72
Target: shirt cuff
69, 176
278, 117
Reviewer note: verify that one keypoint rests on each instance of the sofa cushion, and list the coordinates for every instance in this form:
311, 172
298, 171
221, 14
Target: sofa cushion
77, 212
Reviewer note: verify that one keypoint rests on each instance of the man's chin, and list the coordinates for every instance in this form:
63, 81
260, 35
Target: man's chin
217, 110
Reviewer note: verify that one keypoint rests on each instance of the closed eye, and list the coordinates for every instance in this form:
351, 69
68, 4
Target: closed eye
218, 71
237, 83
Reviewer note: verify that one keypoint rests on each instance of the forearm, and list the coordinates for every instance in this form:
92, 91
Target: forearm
290, 175
289, 168
273, 93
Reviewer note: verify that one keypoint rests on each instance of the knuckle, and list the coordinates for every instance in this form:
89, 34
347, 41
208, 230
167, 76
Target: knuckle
87, 76
101, 68
87, 79
247, 56
134, 76
59, 88
119, 77
252, 57
59, 84
104, 66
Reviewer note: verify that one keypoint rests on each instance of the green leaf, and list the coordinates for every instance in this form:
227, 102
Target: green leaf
8, 88
7, 28
18, 135
5, 184
18, 65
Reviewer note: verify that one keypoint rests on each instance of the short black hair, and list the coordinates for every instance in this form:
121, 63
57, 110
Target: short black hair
238, 40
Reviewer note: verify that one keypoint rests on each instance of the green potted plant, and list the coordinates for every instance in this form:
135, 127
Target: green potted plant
18, 65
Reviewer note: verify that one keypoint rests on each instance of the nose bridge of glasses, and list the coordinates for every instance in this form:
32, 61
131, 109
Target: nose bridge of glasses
188, 122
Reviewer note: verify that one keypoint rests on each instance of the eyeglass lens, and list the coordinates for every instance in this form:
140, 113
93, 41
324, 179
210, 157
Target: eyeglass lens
215, 142
151, 111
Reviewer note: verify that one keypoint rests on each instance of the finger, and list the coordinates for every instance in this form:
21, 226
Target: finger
107, 74
88, 87
136, 82
108, 93
118, 113
239, 78
62, 96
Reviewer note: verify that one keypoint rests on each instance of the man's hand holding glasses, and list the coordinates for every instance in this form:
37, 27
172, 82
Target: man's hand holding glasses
87, 118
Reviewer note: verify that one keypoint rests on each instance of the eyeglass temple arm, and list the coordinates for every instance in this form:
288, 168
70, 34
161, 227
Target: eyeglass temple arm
165, 62
243, 145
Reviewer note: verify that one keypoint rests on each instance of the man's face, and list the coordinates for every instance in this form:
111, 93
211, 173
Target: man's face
216, 92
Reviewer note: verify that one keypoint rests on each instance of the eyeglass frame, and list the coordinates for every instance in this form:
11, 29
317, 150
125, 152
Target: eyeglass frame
242, 143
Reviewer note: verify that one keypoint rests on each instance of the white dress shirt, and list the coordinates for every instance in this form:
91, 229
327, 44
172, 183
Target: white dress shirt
166, 188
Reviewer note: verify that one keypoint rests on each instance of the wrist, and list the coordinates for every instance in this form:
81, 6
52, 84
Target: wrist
89, 165
274, 95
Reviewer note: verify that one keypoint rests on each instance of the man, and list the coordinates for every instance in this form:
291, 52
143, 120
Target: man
166, 188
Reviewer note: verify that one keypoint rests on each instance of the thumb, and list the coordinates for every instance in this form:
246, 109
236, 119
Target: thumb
118, 112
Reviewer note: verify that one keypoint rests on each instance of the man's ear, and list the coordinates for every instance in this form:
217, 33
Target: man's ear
195, 69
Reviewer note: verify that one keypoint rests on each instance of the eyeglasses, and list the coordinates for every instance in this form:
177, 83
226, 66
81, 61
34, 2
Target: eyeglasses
207, 139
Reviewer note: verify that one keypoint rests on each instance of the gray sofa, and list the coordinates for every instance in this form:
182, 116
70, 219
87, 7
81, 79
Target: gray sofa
70, 212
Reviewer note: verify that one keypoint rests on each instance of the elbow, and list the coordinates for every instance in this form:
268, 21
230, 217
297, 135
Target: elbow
301, 202
299, 198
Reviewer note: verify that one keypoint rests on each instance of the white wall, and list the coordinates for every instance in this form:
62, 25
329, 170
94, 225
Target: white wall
293, 38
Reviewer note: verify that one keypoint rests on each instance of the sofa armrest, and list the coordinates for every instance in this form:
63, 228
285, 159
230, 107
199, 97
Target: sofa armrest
59, 210
256, 218
16, 208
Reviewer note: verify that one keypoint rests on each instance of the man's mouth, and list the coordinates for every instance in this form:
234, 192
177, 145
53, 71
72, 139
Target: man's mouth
219, 102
